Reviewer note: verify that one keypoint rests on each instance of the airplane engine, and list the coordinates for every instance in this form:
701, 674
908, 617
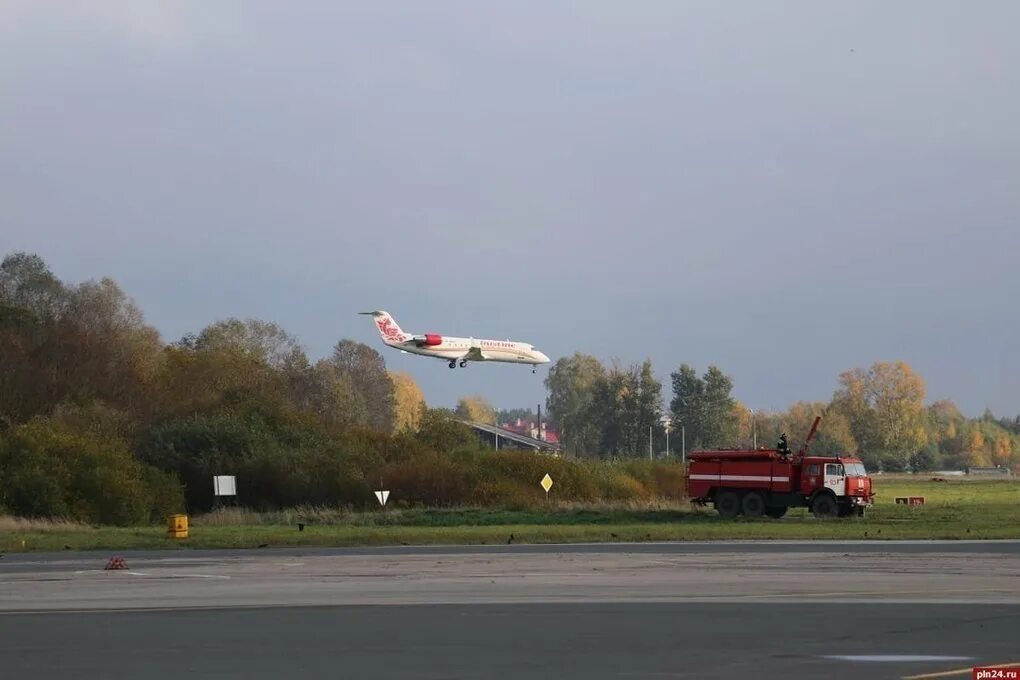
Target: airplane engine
428, 340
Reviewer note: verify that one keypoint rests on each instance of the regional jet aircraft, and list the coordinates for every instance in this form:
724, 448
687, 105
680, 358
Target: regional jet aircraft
455, 350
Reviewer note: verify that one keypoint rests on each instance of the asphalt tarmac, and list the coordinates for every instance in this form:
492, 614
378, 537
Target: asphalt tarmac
760, 610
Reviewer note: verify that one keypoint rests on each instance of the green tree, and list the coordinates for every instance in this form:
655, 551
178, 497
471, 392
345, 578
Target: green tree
614, 407
649, 408
571, 385
73, 467
703, 407
627, 403
440, 431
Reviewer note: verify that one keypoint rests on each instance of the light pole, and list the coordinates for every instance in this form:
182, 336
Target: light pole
754, 430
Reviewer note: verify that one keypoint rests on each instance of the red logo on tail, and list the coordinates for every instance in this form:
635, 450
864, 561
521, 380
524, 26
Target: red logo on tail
389, 329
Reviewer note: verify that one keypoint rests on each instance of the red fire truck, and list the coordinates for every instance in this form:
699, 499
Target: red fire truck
756, 482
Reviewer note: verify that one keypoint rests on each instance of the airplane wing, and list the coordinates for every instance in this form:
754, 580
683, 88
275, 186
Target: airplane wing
474, 354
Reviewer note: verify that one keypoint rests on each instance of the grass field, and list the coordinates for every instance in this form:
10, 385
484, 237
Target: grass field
953, 509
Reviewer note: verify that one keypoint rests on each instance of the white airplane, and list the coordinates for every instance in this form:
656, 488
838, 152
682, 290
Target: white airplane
455, 350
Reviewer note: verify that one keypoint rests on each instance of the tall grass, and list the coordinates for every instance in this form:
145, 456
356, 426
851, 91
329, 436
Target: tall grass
14, 525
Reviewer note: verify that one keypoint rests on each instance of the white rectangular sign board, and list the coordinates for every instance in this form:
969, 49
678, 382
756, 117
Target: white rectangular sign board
225, 485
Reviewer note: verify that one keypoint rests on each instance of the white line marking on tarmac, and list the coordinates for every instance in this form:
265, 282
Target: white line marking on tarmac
895, 658
142, 573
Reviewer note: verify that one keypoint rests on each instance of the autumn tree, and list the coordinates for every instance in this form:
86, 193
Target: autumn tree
476, 409
262, 340
408, 402
884, 406
330, 394
70, 343
833, 437
365, 368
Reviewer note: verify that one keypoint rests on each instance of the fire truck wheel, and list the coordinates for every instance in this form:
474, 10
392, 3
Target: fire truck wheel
753, 504
824, 506
727, 503
777, 512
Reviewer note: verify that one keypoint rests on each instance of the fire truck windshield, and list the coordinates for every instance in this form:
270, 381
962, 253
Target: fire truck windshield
855, 470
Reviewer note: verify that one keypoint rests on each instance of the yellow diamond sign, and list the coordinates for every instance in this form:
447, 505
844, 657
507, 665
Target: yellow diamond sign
546, 483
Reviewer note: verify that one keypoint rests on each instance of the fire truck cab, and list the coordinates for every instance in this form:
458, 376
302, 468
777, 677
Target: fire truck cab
758, 482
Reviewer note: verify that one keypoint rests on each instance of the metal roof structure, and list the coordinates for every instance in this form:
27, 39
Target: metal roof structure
514, 440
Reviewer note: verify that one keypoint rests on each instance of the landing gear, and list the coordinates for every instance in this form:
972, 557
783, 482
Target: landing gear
453, 364
534, 369
463, 363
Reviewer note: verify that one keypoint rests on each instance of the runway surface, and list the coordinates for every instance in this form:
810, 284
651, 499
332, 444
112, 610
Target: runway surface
840, 609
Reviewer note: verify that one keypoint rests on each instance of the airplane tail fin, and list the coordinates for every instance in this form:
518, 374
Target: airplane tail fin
388, 328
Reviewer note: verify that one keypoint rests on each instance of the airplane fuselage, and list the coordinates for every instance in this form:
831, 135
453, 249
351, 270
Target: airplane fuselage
456, 350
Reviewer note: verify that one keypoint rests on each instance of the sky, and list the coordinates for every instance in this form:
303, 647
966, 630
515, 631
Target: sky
786, 190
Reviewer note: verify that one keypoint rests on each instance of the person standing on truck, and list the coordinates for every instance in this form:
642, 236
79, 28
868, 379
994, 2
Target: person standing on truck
783, 446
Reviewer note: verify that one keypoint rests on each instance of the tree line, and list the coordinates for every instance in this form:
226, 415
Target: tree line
878, 413
102, 421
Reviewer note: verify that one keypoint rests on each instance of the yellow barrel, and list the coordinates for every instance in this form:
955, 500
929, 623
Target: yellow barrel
177, 526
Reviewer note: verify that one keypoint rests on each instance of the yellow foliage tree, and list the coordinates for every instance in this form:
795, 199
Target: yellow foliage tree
1003, 450
884, 407
834, 435
408, 402
745, 424
476, 408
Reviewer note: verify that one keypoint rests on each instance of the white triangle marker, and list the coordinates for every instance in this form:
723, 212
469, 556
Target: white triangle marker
382, 496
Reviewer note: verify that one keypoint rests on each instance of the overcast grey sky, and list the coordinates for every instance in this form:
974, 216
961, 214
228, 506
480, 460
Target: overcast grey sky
784, 189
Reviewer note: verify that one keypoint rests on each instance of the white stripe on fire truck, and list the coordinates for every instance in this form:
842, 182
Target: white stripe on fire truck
739, 478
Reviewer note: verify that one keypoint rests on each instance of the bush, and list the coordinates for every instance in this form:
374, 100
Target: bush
48, 470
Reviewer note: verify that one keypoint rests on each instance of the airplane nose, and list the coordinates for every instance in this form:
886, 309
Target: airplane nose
543, 358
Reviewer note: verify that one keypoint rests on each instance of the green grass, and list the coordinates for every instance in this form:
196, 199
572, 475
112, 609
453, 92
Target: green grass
955, 509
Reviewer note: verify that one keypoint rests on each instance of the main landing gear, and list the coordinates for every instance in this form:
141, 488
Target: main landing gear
463, 363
